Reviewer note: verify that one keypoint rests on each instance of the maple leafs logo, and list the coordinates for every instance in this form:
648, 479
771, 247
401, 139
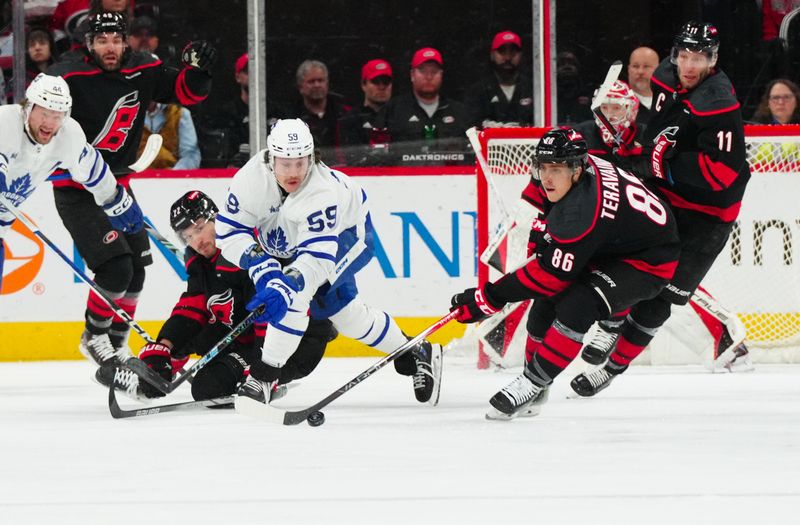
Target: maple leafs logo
18, 190
276, 241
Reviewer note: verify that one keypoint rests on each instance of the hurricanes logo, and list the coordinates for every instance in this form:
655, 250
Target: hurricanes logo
24, 256
221, 308
119, 122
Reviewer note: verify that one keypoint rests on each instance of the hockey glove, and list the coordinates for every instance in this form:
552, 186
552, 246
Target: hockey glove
474, 304
536, 237
277, 296
199, 54
157, 357
261, 267
662, 150
123, 212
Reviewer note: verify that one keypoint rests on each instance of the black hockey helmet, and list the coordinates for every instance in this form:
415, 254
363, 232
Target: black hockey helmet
700, 37
562, 145
190, 208
107, 22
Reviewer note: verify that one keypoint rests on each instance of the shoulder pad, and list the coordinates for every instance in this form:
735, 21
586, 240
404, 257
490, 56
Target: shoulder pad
140, 58
715, 94
576, 214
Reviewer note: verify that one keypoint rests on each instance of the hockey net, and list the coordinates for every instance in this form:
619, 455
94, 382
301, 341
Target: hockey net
756, 275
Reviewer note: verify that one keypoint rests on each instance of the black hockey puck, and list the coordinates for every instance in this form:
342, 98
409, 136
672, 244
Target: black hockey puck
315, 419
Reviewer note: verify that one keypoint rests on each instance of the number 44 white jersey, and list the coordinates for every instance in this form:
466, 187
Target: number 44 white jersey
309, 225
24, 164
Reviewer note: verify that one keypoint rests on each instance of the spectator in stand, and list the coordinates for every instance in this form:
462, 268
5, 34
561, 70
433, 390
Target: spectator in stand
574, 96
319, 107
779, 105
641, 64
69, 21
773, 12
357, 127
40, 46
174, 123
143, 34
427, 120
504, 98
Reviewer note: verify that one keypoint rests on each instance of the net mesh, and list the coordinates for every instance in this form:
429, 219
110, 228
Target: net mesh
755, 275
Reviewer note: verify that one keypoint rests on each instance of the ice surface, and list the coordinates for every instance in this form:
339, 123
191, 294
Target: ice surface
661, 445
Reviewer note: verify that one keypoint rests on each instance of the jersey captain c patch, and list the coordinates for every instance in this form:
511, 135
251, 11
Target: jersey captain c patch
118, 123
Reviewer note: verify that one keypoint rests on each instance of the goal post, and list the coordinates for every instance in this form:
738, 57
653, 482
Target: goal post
757, 275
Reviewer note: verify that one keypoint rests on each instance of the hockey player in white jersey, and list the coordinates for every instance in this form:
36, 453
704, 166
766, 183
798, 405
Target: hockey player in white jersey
302, 230
38, 136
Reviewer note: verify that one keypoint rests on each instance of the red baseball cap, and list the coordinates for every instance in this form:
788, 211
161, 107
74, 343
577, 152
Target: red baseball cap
426, 54
506, 37
376, 68
241, 64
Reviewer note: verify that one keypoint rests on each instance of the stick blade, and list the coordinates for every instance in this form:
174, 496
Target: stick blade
612, 76
259, 411
149, 153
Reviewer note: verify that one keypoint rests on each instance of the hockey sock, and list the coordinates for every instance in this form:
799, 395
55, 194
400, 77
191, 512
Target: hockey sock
633, 341
98, 314
113, 277
557, 350
119, 331
532, 345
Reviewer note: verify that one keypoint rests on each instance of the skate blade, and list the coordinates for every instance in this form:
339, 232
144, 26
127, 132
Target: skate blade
495, 415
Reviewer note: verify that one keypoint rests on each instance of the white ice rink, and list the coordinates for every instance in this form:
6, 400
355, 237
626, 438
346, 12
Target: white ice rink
661, 445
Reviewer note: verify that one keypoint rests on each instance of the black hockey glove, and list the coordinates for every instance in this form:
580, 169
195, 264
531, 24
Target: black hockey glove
663, 146
157, 358
199, 54
474, 304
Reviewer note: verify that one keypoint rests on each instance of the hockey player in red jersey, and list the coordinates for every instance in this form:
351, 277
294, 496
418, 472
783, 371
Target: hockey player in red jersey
608, 244
213, 303
112, 88
695, 158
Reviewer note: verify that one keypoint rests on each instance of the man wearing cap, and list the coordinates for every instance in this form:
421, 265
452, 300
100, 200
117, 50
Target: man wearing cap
431, 124
318, 106
143, 35
357, 126
504, 98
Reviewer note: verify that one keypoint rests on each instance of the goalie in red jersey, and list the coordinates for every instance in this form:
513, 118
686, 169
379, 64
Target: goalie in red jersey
608, 244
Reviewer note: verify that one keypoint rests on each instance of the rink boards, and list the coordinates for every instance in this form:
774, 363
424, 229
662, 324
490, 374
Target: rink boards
426, 251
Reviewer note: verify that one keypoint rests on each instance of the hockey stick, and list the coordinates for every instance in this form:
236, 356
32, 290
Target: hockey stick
141, 369
85, 278
118, 412
267, 412
602, 92
149, 153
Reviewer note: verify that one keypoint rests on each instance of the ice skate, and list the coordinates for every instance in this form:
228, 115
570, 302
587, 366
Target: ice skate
98, 349
521, 398
600, 347
428, 377
589, 384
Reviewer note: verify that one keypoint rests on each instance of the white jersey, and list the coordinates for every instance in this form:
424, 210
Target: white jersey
305, 225
24, 163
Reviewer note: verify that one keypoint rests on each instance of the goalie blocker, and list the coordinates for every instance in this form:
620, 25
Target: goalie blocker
608, 244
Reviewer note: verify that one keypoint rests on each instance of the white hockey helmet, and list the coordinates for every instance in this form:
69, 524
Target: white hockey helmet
49, 92
290, 138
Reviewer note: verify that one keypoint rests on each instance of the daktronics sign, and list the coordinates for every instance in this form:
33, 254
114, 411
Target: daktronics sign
24, 253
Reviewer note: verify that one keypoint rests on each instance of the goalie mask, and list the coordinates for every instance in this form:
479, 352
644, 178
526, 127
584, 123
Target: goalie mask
191, 209
697, 37
561, 146
620, 106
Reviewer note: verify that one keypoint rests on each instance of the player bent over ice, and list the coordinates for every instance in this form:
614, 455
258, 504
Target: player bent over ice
608, 243
213, 303
302, 231
37, 137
